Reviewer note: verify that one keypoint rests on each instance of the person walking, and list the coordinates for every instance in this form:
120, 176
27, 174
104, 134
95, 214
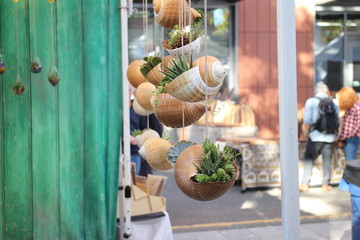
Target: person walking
349, 137
320, 140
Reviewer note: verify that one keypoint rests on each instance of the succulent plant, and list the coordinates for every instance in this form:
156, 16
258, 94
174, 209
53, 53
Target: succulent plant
18, 88
2, 66
177, 149
178, 67
150, 63
53, 76
181, 37
216, 166
35, 65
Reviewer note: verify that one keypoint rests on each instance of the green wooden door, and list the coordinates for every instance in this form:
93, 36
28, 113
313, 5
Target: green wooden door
59, 146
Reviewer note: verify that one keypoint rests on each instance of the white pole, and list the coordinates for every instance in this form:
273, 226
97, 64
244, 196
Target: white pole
286, 43
126, 186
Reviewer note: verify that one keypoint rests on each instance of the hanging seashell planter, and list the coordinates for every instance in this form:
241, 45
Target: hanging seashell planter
19, 88
144, 93
35, 65
2, 66
154, 152
175, 113
53, 76
139, 109
190, 87
168, 12
191, 48
185, 171
135, 77
149, 133
214, 70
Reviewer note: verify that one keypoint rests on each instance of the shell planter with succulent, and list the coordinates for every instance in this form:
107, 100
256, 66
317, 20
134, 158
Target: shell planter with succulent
2, 65
134, 76
150, 69
35, 65
204, 173
182, 41
53, 76
174, 152
18, 88
142, 135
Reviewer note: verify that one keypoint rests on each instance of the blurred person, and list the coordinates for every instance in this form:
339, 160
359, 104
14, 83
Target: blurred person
319, 142
349, 137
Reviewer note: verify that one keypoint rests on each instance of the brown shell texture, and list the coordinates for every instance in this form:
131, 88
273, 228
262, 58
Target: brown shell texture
167, 12
190, 87
154, 152
144, 94
169, 111
184, 170
140, 110
155, 76
214, 69
134, 75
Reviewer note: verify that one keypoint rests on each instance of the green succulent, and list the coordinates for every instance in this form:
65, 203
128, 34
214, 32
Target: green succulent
216, 165
177, 67
180, 37
150, 63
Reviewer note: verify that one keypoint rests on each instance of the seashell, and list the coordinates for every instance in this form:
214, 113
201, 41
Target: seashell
135, 77
155, 76
167, 12
193, 47
215, 70
190, 87
184, 170
154, 152
169, 111
141, 139
144, 94
139, 109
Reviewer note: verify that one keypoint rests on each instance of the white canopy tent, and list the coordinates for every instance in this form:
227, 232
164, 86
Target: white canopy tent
288, 120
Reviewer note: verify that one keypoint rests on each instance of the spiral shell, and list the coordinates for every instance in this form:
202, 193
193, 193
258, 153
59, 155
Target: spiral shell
190, 87
184, 170
215, 70
139, 109
134, 75
141, 139
144, 94
169, 111
154, 152
167, 12
193, 47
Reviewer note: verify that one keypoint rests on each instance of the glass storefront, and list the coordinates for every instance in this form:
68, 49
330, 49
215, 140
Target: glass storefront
337, 49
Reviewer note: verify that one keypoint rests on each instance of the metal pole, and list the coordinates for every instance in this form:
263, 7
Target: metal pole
125, 188
286, 43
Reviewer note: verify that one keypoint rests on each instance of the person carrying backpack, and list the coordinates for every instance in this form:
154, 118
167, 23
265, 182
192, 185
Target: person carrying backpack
321, 118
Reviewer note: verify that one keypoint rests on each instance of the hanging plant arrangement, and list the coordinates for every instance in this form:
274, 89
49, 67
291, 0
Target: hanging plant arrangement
18, 88
185, 41
204, 173
35, 65
2, 65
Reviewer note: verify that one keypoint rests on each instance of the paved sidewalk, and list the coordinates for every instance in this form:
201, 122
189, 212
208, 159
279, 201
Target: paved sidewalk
332, 230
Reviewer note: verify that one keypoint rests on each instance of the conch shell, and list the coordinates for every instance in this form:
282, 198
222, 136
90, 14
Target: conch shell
134, 75
139, 109
184, 170
215, 70
141, 139
155, 76
193, 47
190, 87
154, 152
167, 12
144, 94
169, 111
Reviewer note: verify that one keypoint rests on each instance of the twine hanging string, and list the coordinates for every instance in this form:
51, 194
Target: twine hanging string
52, 32
146, 27
35, 38
206, 72
17, 42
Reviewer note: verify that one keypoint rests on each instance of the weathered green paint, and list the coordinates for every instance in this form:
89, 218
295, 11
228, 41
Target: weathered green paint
59, 146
